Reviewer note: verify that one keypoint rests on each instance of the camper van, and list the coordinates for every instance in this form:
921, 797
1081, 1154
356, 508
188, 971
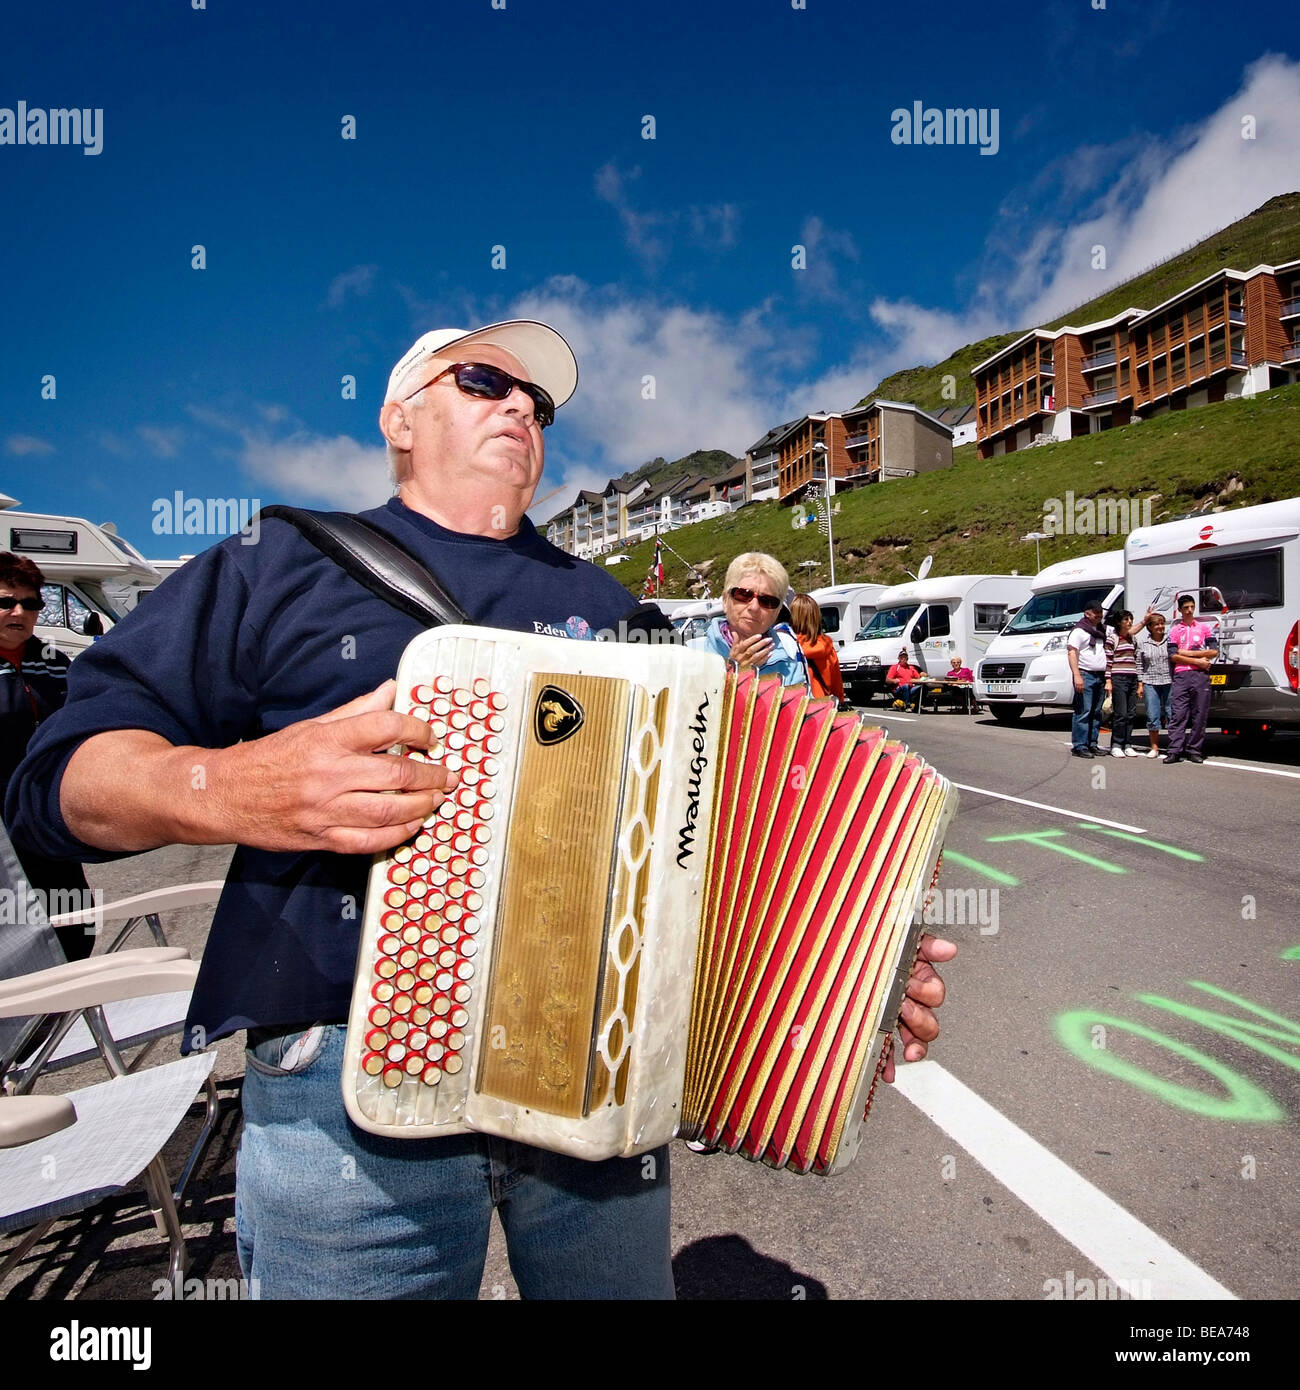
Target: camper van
1244, 569
1027, 665
934, 618
846, 609
79, 560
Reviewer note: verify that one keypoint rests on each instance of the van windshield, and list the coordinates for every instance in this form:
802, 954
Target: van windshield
1057, 610
888, 622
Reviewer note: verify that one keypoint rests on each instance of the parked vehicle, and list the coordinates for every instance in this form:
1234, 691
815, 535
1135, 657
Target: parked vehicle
79, 560
692, 619
846, 609
1026, 664
1244, 569
934, 618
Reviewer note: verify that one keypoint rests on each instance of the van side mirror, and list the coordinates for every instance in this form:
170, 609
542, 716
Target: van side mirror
93, 626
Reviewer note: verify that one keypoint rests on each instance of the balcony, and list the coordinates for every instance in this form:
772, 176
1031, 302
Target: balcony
1100, 359
1290, 308
1291, 353
1045, 368
1236, 314
857, 440
1238, 356
1108, 397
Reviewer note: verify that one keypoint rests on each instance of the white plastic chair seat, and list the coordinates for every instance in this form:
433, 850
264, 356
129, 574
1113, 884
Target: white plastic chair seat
121, 1127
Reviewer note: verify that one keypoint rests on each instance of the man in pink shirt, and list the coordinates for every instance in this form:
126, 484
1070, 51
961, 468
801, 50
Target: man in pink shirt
1191, 655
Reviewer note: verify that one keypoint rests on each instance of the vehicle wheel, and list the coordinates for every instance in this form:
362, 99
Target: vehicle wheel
1005, 713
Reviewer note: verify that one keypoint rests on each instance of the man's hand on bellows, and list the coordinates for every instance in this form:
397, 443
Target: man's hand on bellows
329, 783
917, 1025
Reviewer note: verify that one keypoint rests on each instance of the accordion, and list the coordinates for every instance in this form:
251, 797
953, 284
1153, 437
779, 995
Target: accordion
664, 899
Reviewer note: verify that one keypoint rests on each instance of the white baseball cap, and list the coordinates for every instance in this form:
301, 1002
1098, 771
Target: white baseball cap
546, 358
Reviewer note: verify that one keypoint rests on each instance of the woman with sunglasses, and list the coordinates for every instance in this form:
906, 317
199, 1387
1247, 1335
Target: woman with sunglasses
33, 684
748, 632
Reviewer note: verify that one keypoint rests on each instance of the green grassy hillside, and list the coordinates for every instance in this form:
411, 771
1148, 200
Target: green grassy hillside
971, 516
1269, 235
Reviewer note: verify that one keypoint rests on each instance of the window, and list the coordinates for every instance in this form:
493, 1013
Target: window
989, 617
1246, 581
52, 613
933, 622
830, 619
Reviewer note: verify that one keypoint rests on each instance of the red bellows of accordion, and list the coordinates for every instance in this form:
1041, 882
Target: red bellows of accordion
823, 839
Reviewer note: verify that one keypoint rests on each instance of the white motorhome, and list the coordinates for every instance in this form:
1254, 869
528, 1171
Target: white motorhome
79, 561
846, 609
935, 619
1026, 664
1244, 569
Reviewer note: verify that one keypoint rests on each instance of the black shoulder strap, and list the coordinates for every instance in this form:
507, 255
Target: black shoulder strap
376, 561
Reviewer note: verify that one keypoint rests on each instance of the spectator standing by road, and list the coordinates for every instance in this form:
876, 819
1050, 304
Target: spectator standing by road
1154, 677
1086, 649
1191, 656
1122, 685
818, 650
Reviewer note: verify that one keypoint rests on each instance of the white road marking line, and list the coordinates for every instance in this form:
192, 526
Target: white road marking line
1098, 1227
1250, 767
1055, 810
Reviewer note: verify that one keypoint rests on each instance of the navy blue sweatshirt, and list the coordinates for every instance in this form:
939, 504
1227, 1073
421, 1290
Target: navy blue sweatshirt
242, 641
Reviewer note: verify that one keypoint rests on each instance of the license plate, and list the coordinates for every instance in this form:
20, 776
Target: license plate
1219, 680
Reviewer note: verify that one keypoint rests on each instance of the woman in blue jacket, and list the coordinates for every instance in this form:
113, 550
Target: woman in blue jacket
748, 632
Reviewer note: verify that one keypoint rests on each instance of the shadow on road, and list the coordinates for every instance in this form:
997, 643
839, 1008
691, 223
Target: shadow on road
728, 1267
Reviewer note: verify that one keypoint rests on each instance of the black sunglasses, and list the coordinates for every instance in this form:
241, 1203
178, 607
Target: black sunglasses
492, 384
28, 605
744, 596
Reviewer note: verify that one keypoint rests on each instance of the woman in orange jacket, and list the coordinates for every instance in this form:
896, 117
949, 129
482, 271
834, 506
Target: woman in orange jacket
818, 649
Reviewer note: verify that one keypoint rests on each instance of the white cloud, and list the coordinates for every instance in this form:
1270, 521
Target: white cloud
650, 235
358, 281
306, 467
1143, 199
338, 472
826, 249
22, 445
164, 442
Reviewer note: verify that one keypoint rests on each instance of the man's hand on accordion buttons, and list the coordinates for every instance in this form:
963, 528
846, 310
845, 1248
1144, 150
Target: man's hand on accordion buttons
917, 1025
330, 783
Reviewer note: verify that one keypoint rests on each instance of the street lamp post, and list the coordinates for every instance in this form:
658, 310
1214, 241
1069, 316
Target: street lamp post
829, 493
1036, 537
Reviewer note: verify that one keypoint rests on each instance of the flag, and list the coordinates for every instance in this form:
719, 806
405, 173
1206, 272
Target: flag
659, 561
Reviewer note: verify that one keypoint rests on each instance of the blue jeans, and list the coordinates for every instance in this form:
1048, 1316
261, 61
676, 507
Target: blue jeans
1086, 728
325, 1210
1157, 698
906, 693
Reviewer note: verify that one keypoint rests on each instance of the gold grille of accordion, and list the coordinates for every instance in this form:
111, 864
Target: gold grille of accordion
824, 833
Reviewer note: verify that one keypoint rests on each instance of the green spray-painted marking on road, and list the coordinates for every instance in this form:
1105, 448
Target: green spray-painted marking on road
1145, 840
1045, 839
1245, 1102
1008, 880
1239, 1030
1291, 953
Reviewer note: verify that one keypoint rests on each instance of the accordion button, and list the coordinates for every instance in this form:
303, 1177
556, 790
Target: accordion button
402, 1003
459, 1018
440, 1006
443, 685
462, 994
468, 798
402, 854
438, 1028
453, 912
420, 711
382, 992
479, 709
411, 934
496, 725
431, 1075
443, 980
463, 697
452, 1065
480, 686
380, 1015
497, 701
413, 1065
464, 971
455, 1040
420, 1015
404, 980
470, 924
456, 742
408, 958
473, 755
423, 994
482, 835
447, 957
414, 910
424, 841
392, 921
476, 878
417, 888
476, 730
467, 946
459, 721
389, 944
493, 744
372, 1064
455, 889
428, 942
395, 1051
435, 1052
491, 767
423, 694
395, 897
420, 865
385, 968
399, 874
438, 876
459, 866
377, 1040
393, 1076
397, 1030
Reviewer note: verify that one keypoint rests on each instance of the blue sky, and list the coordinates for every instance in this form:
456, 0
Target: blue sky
523, 127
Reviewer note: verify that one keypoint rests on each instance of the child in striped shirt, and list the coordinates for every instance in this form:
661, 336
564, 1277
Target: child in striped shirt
1121, 684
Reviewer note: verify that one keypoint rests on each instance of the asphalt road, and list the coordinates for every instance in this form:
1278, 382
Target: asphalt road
1114, 1096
